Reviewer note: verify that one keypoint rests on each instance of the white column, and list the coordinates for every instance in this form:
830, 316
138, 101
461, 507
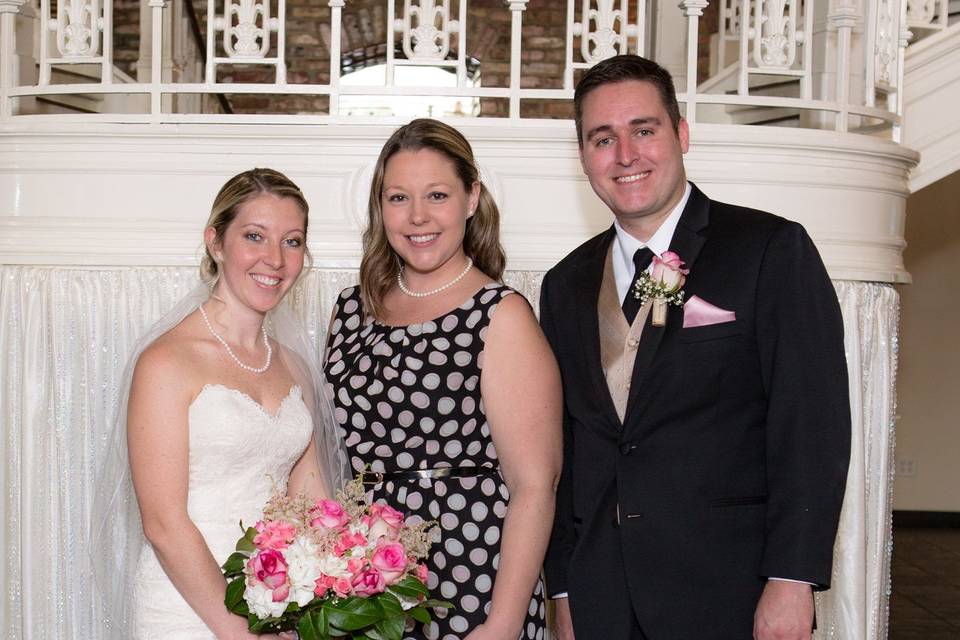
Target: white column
692, 9
336, 25
517, 7
9, 60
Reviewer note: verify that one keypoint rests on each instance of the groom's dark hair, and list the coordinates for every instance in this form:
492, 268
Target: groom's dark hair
620, 69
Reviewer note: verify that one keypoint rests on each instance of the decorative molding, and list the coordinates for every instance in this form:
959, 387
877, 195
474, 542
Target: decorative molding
775, 42
246, 27
420, 38
11, 6
602, 30
129, 195
78, 26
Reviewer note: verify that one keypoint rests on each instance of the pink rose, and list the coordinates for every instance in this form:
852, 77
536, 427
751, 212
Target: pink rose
348, 541
422, 573
369, 583
383, 521
342, 587
270, 568
323, 584
328, 514
668, 270
356, 565
274, 535
390, 559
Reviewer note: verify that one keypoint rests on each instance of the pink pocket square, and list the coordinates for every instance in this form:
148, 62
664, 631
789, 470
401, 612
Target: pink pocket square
697, 312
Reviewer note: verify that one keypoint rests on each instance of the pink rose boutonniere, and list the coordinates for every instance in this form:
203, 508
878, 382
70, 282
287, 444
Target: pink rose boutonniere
663, 284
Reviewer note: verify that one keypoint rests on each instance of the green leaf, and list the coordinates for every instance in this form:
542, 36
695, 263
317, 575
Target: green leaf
246, 542
352, 614
267, 624
436, 604
313, 626
410, 587
234, 564
420, 614
391, 604
391, 628
234, 595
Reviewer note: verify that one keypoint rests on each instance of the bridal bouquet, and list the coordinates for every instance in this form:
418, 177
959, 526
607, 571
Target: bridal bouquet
332, 569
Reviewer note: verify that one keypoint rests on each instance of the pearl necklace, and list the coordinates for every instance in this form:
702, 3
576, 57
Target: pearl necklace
266, 343
424, 294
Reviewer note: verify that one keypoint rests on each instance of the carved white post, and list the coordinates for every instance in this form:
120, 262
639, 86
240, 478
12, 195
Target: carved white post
421, 39
844, 17
692, 9
8, 14
336, 16
517, 7
246, 26
775, 42
905, 36
728, 32
156, 55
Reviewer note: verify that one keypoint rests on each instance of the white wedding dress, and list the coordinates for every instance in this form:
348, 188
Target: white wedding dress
239, 455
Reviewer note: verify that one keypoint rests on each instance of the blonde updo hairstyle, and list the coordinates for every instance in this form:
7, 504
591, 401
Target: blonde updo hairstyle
380, 263
239, 190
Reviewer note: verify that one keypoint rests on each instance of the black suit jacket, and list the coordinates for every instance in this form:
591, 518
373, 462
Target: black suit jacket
731, 462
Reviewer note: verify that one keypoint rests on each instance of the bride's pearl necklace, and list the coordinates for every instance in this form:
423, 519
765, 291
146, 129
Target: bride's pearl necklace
424, 294
266, 343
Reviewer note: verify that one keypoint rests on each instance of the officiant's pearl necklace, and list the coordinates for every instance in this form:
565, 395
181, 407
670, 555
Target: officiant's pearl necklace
266, 343
424, 294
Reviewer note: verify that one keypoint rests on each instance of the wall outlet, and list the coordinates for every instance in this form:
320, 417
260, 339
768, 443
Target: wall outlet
906, 467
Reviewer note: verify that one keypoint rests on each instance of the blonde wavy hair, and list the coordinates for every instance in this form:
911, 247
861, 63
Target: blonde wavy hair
481, 242
238, 190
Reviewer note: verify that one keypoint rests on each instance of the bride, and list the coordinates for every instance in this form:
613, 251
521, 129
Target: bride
219, 415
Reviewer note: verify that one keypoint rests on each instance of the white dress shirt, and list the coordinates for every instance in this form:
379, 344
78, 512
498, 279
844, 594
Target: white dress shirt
625, 245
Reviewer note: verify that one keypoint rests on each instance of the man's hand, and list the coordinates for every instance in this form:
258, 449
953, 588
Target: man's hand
785, 612
562, 628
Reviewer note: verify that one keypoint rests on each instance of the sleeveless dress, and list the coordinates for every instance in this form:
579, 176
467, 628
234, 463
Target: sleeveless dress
409, 398
238, 454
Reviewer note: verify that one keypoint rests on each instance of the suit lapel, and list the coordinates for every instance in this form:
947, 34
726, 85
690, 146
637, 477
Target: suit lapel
687, 241
588, 294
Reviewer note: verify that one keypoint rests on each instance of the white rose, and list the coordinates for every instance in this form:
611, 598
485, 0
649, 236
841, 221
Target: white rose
333, 566
260, 601
303, 569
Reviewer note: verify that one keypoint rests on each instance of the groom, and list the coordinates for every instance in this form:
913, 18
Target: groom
705, 458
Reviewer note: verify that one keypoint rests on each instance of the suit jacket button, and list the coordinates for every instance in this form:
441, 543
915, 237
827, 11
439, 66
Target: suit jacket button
633, 343
627, 448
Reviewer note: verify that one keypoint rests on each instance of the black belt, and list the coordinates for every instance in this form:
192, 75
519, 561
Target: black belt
376, 477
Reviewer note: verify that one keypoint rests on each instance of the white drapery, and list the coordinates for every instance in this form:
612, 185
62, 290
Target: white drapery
66, 333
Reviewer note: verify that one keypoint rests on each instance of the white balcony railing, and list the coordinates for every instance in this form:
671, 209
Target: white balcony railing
838, 63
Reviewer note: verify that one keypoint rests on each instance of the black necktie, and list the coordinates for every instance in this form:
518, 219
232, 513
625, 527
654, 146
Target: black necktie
631, 304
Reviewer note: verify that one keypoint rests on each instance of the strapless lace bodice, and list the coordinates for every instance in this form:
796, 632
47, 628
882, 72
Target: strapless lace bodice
239, 455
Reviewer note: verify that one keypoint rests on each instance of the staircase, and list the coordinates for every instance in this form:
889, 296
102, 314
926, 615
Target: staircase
931, 95
88, 102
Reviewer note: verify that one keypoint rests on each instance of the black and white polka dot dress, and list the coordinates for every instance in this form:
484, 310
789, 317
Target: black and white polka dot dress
409, 398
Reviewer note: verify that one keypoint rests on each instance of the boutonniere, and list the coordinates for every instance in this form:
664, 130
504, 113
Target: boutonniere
663, 284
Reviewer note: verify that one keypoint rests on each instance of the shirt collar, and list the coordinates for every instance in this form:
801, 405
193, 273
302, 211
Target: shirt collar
659, 243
